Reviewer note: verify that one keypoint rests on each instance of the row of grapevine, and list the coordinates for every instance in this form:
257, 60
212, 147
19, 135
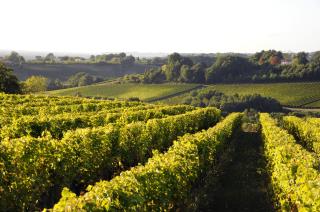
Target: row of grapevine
307, 132
84, 156
163, 183
18, 110
293, 170
26, 99
57, 125
8, 116
315, 121
48, 101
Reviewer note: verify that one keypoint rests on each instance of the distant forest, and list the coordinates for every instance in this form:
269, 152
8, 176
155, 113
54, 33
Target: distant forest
264, 66
261, 67
15, 59
231, 103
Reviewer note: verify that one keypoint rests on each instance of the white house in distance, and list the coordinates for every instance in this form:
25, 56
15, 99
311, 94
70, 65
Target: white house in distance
285, 62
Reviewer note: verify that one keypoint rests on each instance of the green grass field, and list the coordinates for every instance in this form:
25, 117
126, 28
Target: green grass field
314, 104
293, 94
146, 92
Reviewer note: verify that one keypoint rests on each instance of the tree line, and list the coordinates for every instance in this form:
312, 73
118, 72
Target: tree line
9, 83
264, 66
15, 59
231, 103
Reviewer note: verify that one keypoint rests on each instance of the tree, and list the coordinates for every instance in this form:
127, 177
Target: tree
198, 71
300, 58
115, 60
316, 57
15, 58
186, 74
229, 68
154, 75
55, 84
272, 57
50, 58
35, 84
171, 71
81, 79
173, 68
128, 60
275, 60
186, 61
92, 58
173, 58
8, 81
86, 79
122, 55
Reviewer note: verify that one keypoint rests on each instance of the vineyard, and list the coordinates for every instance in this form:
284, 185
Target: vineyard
302, 94
145, 92
79, 154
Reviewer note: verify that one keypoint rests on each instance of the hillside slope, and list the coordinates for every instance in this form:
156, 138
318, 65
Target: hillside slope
292, 94
63, 71
146, 92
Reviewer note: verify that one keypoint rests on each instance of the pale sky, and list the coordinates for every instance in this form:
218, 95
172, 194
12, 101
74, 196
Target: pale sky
95, 26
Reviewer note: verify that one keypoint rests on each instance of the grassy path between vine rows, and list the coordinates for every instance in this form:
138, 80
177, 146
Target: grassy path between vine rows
243, 184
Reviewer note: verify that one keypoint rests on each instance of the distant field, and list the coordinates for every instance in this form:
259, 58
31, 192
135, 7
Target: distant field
293, 94
314, 104
146, 92
63, 71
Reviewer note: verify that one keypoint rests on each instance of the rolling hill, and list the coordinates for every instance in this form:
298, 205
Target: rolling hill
289, 94
64, 71
146, 92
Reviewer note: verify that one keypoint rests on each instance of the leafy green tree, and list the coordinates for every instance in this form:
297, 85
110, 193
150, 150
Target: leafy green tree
171, 71
275, 60
198, 72
92, 58
272, 57
154, 75
115, 60
50, 58
86, 79
15, 58
186, 74
122, 55
55, 84
128, 60
316, 57
82, 79
228, 69
172, 68
8, 81
300, 58
173, 58
186, 61
35, 84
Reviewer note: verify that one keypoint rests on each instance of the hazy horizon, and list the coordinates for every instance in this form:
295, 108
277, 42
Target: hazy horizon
160, 27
